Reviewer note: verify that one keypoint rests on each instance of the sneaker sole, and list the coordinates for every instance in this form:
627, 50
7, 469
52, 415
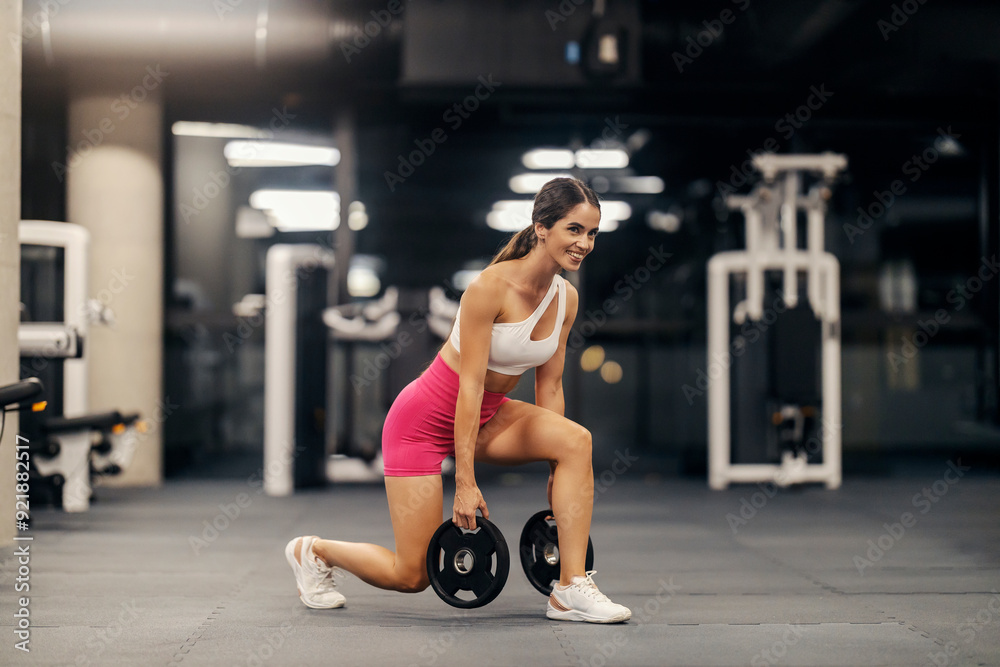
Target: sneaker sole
573, 615
290, 557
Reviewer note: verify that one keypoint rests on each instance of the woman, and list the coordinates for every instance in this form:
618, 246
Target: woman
514, 316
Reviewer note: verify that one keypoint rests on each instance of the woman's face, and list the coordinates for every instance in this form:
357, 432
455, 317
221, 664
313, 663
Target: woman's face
571, 237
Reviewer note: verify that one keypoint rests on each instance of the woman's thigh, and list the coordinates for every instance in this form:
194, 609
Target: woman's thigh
521, 432
415, 508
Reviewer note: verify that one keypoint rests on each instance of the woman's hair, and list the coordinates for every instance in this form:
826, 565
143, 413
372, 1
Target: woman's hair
552, 203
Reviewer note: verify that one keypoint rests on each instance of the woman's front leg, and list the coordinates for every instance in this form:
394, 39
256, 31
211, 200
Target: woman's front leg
573, 503
522, 433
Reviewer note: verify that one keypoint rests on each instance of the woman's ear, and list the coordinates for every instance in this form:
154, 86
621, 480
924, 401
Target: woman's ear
540, 231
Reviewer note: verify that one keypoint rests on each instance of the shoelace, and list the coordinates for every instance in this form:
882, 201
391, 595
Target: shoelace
329, 574
589, 588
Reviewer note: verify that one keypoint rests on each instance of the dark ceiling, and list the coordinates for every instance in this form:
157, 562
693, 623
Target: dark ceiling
701, 83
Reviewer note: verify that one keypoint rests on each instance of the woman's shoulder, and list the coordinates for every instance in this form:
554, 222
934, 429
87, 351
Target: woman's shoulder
491, 284
572, 296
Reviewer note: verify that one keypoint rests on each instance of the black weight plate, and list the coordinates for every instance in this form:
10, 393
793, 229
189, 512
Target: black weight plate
540, 551
471, 561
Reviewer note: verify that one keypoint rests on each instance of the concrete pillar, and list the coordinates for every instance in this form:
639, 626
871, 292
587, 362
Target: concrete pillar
114, 181
10, 252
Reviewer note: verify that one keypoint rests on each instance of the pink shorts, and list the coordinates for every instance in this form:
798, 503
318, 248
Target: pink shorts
419, 431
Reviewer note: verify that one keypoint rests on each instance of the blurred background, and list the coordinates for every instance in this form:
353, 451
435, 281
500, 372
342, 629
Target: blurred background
394, 139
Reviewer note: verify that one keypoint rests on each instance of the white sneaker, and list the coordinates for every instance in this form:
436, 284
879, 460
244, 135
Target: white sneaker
315, 579
581, 601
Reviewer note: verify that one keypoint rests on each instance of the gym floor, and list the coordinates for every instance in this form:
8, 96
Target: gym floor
896, 570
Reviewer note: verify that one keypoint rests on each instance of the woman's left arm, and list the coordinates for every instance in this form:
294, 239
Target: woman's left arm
549, 376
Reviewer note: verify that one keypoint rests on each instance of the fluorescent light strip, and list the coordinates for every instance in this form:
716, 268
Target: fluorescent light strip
646, 185
529, 184
601, 158
242, 153
185, 128
513, 215
548, 158
615, 210
299, 210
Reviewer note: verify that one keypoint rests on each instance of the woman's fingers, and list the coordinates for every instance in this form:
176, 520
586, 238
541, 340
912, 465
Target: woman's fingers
464, 513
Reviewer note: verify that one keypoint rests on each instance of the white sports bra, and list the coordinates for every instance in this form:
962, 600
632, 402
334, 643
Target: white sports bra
512, 351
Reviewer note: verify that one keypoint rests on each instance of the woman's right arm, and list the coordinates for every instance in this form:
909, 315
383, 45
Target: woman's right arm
480, 307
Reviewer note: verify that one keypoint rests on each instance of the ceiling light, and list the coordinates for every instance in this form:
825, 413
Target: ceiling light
645, 185
615, 210
242, 153
601, 158
548, 158
510, 215
529, 184
184, 128
299, 210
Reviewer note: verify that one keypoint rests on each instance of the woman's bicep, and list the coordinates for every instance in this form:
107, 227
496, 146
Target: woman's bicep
549, 375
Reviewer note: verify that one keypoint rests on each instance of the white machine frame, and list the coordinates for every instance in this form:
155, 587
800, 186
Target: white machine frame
75, 241
283, 263
73, 461
771, 214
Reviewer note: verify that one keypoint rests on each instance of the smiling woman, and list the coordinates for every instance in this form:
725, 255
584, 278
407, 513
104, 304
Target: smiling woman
514, 316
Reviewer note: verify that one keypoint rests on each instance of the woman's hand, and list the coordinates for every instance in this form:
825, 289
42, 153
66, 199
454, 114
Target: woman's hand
468, 499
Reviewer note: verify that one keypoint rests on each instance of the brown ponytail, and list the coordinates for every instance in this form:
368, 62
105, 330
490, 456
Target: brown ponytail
552, 203
518, 246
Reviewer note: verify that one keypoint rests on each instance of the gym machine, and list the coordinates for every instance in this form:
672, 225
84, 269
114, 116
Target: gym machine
70, 447
773, 365
355, 327
295, 363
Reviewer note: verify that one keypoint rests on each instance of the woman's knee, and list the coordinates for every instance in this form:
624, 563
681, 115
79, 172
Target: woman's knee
413, 582
577, 444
